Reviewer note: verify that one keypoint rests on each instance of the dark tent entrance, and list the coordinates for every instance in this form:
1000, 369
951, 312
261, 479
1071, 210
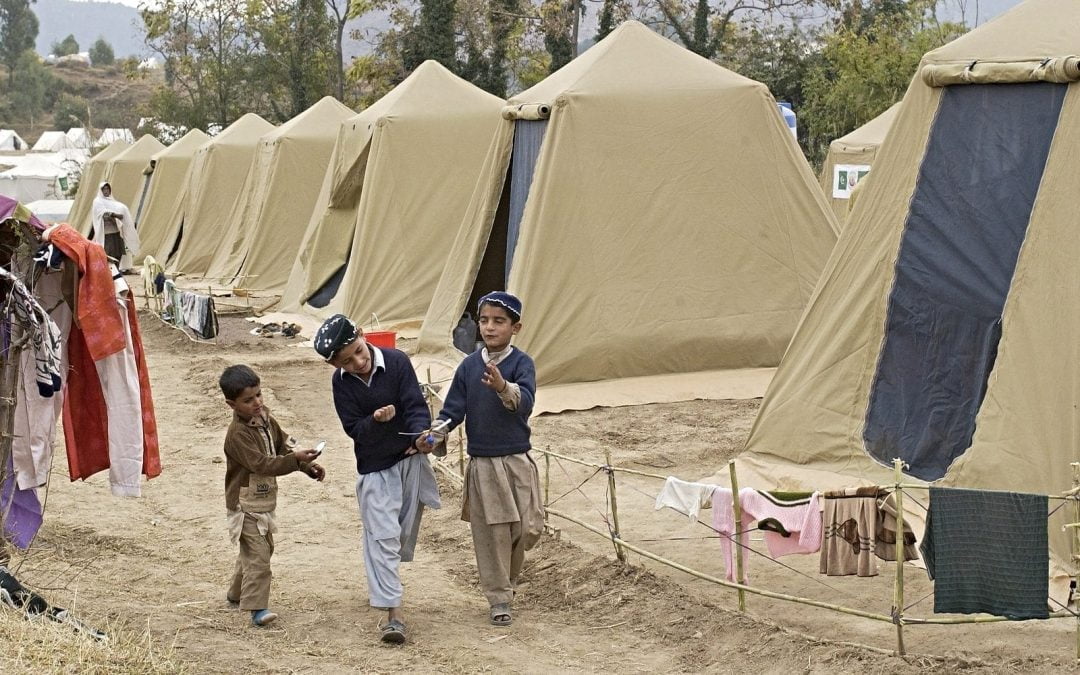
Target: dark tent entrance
967, 221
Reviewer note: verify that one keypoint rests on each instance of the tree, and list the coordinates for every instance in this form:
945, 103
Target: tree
71, 111
866, 67
432, 37
18, 30
557, 25
702, 28
343, 11
295, 59
101, 53
36, 84
66, 47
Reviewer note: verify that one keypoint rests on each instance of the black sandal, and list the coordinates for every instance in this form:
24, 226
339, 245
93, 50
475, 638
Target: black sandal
393, 632
500, 615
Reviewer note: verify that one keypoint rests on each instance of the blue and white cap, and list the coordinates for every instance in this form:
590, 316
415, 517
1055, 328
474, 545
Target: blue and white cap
507, 301
336, 332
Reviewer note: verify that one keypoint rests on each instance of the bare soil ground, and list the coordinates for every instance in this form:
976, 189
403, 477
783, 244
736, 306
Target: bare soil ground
157, 567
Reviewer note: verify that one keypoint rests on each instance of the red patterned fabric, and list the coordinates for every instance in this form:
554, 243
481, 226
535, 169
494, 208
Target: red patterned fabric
97, 316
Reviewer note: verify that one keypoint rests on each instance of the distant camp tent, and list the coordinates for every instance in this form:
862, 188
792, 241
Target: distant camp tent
399, 181
850, 159
51, 141
213, 184
661, 227
39, 177
125, 171
11, 141
943, 330
275, 204
51, 210
80, 138
110, 136
165, 176
92, 174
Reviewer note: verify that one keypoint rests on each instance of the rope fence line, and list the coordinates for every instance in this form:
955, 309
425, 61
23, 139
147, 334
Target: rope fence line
896, 615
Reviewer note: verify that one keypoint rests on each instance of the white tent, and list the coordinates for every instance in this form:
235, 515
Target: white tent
80, 138
111, 134
51, 141
51, 210
36, 178
9, 140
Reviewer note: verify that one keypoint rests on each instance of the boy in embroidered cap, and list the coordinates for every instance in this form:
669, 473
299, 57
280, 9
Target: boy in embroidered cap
381, 407
492, 393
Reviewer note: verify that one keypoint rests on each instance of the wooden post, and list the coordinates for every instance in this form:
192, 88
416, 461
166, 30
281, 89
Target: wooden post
739, 577
461, 452
1075, 541
547, 484
898, 585
619, 552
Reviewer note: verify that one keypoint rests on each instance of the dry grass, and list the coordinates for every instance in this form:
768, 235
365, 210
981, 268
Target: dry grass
43, 646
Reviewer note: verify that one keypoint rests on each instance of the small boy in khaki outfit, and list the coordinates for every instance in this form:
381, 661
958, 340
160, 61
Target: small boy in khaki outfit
256, 452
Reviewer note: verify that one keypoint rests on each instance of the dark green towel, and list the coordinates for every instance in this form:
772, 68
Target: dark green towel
988, 552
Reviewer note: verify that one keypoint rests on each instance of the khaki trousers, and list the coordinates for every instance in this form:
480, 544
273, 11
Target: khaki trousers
251, 580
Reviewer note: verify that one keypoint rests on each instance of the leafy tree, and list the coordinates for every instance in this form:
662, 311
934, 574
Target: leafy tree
36, 83
432, 37
18, 30
557, 25
866, 67
342, 11
66, 47
71, 111
101, 53
295, 58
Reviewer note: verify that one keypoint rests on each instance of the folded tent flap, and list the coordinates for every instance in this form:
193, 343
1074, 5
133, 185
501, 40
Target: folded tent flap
527, 111
347, 178
1061, 70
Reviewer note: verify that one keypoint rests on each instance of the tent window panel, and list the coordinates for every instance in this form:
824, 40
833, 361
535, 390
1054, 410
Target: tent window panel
322, 297
528, 138
967, 220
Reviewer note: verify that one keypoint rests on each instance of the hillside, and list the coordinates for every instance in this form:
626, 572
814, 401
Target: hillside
119, 24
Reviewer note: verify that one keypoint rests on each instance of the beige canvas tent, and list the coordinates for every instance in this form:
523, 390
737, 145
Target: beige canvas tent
850, 159
214, 181
125, 171
275, 204
92, 174
398, 185
165, 177
942, 330
661, 227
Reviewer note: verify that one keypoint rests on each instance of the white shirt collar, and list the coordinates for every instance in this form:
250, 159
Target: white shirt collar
496, 357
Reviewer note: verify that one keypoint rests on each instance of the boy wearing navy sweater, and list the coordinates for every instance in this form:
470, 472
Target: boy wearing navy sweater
381, 407
492, 392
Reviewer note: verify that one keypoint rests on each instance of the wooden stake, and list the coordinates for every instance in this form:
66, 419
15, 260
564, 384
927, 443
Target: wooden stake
1075, 540
898, 585
547, 484
737, 506
615, 534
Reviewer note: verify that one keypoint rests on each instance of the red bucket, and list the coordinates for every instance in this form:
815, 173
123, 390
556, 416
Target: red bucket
386, 339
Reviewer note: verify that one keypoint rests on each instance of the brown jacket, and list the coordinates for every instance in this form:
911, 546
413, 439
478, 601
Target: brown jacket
256, 452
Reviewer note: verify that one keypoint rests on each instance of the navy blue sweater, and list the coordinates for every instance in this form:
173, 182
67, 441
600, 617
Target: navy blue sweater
379, 445
493, 431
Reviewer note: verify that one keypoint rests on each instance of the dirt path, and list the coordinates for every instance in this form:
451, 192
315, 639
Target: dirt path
162, 562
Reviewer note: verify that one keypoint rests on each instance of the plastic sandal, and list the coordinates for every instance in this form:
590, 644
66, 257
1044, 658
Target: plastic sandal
393, 632
500, 615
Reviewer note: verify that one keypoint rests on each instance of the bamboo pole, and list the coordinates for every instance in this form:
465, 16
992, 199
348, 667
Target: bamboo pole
601, 466
916, 486
547, 484
898, 585
910, 621
723, 582
1076, 545
461, 452
737, 506
615, 532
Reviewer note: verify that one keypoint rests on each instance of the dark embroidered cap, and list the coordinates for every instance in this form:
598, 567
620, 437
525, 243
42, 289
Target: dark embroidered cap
335, 333
507, 301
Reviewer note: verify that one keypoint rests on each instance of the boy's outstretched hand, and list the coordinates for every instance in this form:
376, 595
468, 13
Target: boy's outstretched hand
492, 378
316, 472
306, 455
384, 414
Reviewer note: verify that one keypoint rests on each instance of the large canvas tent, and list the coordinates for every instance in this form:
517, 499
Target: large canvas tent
11, 141
850, 159
275, 204
165, 176
942, 330
92, 174
111, 135
79, 137
214, 182
399, 181
124, 172
661, 227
